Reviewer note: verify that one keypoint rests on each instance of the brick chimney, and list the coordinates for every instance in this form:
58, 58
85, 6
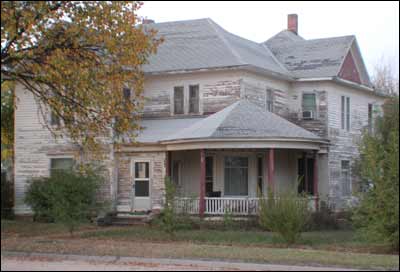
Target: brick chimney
148, 21
292, 23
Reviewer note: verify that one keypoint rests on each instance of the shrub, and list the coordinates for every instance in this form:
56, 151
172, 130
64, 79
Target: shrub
6, 197
324, 219
167, 219
287, 215
377, 216
66, 197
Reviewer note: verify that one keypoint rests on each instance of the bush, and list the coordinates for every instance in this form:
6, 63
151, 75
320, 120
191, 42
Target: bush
377, 217
287, 215
324, 219
6, 198
167, 218
68, 198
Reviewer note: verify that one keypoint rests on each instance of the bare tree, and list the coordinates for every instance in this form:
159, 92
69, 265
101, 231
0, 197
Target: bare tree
384, 77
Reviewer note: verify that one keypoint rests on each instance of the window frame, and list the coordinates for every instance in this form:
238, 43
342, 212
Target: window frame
315, 109
133, 176
198, 99
69, 157
248, 167
345, 113
174, 100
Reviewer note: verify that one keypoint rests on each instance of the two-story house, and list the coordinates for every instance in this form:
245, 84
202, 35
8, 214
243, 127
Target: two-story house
227, 118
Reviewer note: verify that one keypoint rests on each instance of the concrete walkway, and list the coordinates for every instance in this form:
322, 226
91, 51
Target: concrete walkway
11, 261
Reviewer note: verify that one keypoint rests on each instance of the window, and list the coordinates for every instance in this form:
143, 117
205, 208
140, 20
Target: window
346, 178
236, 176
209, 174
269, 100
54, 119
309, 102
142, 179
176, 172
127, 93
194, 99
260, 174
370, 120
61, 164
345, 113
178, 100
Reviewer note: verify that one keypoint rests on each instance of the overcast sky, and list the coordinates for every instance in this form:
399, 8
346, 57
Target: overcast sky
375, 24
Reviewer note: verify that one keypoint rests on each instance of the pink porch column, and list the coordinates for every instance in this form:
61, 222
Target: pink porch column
315, 180
271, 170
202, 203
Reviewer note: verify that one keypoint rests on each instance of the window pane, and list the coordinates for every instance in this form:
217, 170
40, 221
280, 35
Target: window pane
127, 93
343, 112
194, 98
309, 103
209, 167
62, 164
141, 188
348, 113
269, 100
346, 178
178, 100
236, 176
142, 170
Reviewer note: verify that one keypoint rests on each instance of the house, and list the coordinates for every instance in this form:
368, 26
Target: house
225, 118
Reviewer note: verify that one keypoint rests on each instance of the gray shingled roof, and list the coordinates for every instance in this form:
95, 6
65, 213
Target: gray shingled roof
310, 58
242, 119
200, 44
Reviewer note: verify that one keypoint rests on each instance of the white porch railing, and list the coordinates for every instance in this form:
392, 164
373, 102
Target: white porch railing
222, 205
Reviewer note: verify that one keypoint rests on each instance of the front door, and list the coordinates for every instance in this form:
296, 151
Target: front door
141, 184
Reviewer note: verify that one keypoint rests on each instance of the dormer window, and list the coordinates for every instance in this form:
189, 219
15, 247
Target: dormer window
127, 93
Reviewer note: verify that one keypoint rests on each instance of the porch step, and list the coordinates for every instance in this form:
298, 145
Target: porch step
130, 219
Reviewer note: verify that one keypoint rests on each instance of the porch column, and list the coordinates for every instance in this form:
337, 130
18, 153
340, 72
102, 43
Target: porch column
315, 180
271, 170
202, 203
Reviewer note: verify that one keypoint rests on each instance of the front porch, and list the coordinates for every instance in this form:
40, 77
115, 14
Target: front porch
217, 182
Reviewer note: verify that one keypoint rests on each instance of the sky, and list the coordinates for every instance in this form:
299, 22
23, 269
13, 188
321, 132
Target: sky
375, 24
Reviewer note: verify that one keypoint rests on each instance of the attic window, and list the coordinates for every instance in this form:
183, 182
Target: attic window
269, 100
127, 93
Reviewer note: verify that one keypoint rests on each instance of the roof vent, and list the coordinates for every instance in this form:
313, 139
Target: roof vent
292, 23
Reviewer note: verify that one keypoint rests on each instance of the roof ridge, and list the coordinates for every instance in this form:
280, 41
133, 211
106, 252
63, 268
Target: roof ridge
230, 47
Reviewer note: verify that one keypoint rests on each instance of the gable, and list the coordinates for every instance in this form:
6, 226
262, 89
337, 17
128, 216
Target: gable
349, 69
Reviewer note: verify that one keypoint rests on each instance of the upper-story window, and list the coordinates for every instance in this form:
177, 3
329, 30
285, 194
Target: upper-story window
61, 164
309, 105
127, 93
178, 100
345, 113
55, 120
269, 100
194, 99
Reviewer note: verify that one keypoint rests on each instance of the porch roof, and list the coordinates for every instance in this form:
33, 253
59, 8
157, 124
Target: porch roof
241, 121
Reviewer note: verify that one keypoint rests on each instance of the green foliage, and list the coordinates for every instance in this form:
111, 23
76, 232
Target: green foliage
69, 198
377, 216
167, 220
288, 214
324, 219
228, 220
7, 121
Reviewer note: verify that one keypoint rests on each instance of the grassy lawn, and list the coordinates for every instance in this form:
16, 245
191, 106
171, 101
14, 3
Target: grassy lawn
331, 248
